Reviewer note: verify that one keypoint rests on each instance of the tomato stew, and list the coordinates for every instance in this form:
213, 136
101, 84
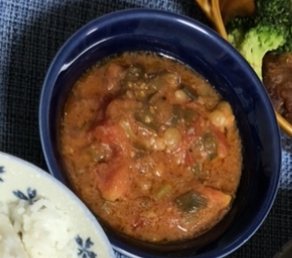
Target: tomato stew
151, 147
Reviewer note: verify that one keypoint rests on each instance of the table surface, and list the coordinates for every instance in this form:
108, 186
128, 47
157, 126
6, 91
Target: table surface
32, 31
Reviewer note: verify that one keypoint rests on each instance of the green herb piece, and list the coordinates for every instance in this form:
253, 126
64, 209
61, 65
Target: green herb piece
147, 119
191, 95
191, 201
210, 145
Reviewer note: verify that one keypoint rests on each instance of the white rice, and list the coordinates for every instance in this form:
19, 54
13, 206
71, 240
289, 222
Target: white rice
35, 231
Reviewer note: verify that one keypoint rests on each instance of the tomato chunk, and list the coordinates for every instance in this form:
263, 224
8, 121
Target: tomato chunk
112, 175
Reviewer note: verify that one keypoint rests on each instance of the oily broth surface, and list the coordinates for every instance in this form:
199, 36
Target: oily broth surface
132, 174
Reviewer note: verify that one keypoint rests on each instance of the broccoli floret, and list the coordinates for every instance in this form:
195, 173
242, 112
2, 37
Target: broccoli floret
278, 11
287, 47
236, 36
237, 29
269, 29
257, 42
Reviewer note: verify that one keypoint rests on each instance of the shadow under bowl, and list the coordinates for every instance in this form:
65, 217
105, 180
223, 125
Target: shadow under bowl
200, 48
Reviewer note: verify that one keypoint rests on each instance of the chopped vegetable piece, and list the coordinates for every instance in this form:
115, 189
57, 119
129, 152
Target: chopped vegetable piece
189, 115
147, 119
189, 93
164, 190
177, 114
134, 73
112, 178
164, 81
191, 201
197, 169
139, 148
128, 129
210, 144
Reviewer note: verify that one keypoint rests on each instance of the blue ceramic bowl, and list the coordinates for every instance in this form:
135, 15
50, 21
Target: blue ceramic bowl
201, 48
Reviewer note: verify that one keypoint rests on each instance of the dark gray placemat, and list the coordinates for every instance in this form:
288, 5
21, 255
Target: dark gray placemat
32, 31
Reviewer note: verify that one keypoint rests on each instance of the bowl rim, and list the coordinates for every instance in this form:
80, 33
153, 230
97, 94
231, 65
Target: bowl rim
46, 145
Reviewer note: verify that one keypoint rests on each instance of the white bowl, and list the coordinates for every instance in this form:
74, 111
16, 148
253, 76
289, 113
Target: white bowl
22, 180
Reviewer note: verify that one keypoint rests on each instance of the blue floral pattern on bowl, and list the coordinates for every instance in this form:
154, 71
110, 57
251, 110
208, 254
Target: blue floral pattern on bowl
30, 197
22, 181
83, 247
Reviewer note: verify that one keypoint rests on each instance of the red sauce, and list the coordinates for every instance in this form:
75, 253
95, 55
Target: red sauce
151, 147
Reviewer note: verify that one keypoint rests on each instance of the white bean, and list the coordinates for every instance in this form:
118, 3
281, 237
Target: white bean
222, 116
172, 138
181, 97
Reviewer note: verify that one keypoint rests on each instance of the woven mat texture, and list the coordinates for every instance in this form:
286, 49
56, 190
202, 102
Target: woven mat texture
32, 31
